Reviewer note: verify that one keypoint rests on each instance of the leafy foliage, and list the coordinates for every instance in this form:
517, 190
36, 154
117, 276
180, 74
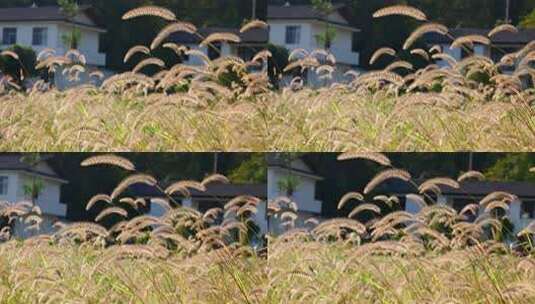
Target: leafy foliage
529, 20
16, 68
512, 167
277, 62
251, 170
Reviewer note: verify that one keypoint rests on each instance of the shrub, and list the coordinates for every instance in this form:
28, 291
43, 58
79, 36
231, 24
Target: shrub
24, 67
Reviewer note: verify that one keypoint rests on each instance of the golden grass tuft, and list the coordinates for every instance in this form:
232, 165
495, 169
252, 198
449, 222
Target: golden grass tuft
150, 11
404, 10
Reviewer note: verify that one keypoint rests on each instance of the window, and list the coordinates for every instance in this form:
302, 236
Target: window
467, 51
102, 45
293, 34
246, 53
204, 206
3, 185
40, 36
184, 57
214, 51
357, 42
9, 36
528, 209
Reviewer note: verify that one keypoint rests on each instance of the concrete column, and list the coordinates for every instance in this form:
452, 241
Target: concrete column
188, 202
515, 214
226, 49
411, 206
442, 200
261, 217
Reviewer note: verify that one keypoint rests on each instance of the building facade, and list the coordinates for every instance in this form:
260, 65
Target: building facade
303, 191
303, 27
15, 176
48, 27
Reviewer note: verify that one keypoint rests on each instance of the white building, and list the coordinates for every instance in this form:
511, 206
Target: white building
15, 174
502, 43
304, 194
252, 41
521, 211
292, 27
44, 27
301, 26
215, 196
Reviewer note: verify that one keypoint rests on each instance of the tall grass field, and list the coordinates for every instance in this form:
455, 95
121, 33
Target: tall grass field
232, 104
378, 253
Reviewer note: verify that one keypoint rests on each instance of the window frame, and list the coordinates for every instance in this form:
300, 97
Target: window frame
211, 50
527, 207
43, 37
296, 31
5, 35
4, 184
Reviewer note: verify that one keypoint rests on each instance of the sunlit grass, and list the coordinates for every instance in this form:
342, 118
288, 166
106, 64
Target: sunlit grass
42, 273
304, 272
308, 120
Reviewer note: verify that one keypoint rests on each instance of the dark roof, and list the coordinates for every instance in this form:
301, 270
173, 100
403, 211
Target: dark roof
524, 36
43, 13
253, 36
215, 191
524, 190
307, 12
12, 162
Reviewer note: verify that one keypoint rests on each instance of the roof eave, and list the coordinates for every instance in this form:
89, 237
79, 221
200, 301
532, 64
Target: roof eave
337, 24
298, 172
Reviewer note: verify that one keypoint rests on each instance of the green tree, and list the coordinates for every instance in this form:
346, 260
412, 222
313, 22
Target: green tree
512, 167
35, 186
253, 170
529, 20
71, 9
277, 63
20, 68
325, 7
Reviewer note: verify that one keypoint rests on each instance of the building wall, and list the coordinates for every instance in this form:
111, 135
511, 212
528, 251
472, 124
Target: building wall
276, 227
226, 50
48, 201
304, 196
456, 53
25, 34
261, 218
63, 82
47, 227
12, 187
49, 198
341, 47
277, 34
515, 211
89, 44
